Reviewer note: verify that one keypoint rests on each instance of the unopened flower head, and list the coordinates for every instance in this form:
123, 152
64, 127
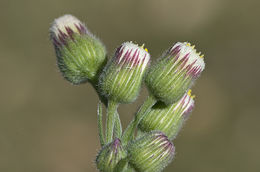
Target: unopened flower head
150, 153
175, 72
110, 155
168, 118
80, 55
122, 77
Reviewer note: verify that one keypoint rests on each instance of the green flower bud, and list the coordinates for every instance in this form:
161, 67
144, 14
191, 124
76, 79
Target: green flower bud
175, 72
80, 56
150, 153
168, 118
110, 155
121, 80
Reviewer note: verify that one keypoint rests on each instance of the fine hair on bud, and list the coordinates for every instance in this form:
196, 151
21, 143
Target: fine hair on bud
122, 77
109, 156
80, 56
175, 72
150, 153
168, 118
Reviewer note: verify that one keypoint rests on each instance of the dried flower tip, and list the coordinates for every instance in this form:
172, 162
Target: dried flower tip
193, 61
64, 27
132, 55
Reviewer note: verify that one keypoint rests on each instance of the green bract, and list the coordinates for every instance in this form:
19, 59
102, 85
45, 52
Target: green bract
175, 72
122, 77
168, 118
80, 56
150, 153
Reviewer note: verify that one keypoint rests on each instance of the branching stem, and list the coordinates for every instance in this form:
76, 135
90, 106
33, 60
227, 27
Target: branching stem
130, 130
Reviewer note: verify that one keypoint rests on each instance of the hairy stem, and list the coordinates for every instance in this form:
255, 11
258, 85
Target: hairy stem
130, 130
118, 127
100, 125
111, 111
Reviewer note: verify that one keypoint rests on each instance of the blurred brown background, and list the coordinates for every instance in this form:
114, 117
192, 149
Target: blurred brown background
48, 125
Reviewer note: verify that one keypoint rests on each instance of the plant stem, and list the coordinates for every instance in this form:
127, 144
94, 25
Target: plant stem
111, 111
129, 132
102, 99
100, 125
118, 127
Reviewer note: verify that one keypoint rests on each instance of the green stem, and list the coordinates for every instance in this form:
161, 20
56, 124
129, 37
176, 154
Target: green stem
100, 125
129, 132
94, 84
118, 127
111, 111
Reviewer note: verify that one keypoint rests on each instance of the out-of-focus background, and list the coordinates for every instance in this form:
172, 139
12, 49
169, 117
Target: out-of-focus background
48, 125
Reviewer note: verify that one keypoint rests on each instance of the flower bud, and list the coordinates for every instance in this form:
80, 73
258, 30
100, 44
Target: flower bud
121, 80
168, 118
150, 153
80, 56
175, 72
110, 155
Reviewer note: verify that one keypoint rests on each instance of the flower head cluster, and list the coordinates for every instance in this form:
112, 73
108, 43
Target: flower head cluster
82, 57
